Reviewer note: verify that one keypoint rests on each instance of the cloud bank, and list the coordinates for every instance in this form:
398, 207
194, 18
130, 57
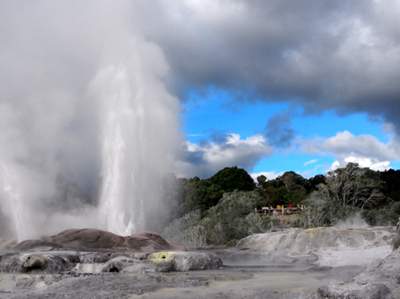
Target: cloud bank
320, 54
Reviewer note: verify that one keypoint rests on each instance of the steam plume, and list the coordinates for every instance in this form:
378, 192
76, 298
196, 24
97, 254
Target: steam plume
82, 97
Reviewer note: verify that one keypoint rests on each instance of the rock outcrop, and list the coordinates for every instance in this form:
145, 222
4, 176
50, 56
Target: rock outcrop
95, 239
95, 251
380, 280
326, 246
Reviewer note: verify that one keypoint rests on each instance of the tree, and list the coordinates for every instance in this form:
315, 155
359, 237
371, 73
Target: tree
290, 188
261, 184
315, 181
392, 179
261, 180
200, 195
233, 178
352, 185
293, 181
345, 192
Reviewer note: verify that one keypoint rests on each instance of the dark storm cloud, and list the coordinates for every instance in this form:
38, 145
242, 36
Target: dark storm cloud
331, 54
278, 130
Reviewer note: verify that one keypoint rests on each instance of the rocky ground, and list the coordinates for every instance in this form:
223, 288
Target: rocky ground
286, 264
371, 248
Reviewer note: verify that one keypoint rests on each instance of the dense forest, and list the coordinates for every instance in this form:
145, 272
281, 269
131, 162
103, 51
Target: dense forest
221, 209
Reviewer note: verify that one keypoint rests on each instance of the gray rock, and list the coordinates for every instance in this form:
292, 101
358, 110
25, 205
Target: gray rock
124, 264
96, 262
184, 261
380, 280
354, 291
36, 263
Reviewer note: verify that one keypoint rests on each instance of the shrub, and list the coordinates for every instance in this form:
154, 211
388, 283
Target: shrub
387, 215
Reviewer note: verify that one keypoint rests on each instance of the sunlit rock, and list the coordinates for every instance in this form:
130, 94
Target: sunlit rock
327, 246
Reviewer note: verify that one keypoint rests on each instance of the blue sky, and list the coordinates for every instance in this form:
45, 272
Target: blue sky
217, 113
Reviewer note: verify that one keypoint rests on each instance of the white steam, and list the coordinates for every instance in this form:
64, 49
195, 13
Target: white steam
355, 221
139, 120
81, 98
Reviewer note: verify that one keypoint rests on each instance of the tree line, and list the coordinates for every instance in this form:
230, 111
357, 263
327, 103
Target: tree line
329, 198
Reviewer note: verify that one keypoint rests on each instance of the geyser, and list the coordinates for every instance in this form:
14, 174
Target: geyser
116, 121
139, 137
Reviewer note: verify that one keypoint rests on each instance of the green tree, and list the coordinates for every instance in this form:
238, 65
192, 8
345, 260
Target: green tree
288, 188
200, 195
315, 181
233, 178
352, 185
293, 181
261, 185
295, 186
261, 180
345, 191
392, 179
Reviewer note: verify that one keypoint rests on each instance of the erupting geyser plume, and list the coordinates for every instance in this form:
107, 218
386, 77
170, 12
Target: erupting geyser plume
139, 120
97, 110
13, 207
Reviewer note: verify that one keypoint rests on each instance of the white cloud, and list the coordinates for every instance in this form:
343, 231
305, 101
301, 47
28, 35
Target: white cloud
366, 150
363, 162
311, 162
269, 174
206, 159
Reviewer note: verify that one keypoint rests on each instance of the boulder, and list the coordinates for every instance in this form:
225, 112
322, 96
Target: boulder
37, 262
